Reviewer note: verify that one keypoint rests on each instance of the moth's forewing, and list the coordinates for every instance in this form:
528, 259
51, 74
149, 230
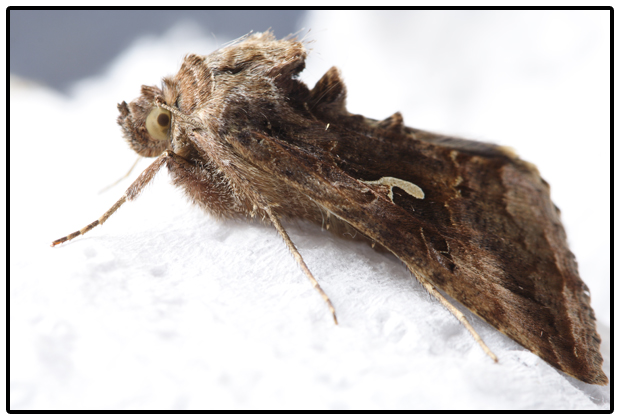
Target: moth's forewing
485, 232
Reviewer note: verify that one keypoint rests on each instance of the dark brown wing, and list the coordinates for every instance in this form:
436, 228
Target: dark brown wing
485, 231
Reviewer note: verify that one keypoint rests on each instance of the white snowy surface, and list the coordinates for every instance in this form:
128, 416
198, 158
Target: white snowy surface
164, 307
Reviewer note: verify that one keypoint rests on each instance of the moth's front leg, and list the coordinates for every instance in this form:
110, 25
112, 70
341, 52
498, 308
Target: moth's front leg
132, 192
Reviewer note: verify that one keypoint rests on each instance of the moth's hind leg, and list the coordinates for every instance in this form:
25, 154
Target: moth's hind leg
458, 314
132, 192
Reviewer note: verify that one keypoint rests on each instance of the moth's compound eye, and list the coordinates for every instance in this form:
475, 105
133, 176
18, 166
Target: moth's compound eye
158, 123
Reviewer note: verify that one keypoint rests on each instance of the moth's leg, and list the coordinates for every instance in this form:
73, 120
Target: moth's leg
300, 260
132, 192
458, 314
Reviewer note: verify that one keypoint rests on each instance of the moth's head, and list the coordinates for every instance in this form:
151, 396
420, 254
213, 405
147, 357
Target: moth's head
146, 127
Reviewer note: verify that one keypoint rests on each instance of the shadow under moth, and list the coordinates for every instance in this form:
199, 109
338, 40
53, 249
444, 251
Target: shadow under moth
243, 137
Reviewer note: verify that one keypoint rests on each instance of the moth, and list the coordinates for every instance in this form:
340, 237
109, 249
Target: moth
243, 137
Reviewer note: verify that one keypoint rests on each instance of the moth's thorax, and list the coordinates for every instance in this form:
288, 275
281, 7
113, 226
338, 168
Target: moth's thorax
234, 94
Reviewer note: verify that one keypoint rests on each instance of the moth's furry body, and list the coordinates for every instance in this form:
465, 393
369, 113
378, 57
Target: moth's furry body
248, 139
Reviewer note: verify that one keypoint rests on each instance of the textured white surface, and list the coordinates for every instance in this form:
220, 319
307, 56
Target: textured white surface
166, 308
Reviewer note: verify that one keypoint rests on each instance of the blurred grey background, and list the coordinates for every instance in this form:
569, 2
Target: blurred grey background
58, 47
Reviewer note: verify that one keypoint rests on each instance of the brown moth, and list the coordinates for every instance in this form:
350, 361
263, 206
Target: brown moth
243, 137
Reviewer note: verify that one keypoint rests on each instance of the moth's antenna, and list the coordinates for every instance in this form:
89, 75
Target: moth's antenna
123, 177
178, 114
